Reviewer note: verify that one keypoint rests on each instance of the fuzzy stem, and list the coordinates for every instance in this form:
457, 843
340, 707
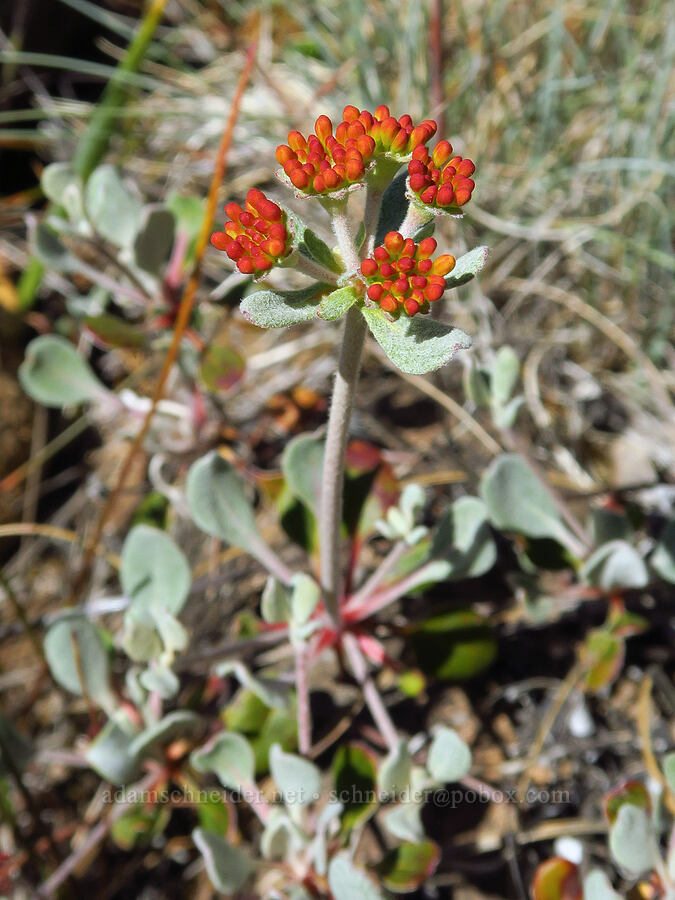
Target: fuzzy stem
274, 565
371, 216
350, 256
314, 269
346, 377
330, 512
304, 712
414, 220
378, 600
370, 692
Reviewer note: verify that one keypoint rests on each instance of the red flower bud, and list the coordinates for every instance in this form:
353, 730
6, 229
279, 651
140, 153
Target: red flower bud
256, 238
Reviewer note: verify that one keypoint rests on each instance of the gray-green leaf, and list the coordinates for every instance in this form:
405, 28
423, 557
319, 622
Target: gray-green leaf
155, 574
449, 757
463, 539
277, 309
467, 267
347, 882
54, 373
615, 564
298, 779
302, 467
662, 559
393, 775
228, 868
335, 305
78, 660
320, 251
230, 757
597, 887
416, 344
110, 754
631, 841
517, 501
113, 210
219, 505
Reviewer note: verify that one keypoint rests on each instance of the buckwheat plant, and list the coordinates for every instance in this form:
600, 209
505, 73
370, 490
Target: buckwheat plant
383, 276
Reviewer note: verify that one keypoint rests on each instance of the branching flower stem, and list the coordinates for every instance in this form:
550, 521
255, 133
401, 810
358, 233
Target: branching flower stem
370, 692
314, 269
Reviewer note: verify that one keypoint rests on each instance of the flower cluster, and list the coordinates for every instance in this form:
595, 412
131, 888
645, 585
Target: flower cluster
256, 237
440, 179
401, 275
326, 162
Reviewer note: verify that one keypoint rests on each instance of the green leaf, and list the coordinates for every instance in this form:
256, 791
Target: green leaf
154, 574
180, 723
54, 373
394, 208
109, 754
111, 331
302, 467
221, 368
227, 867
632, 792
280, 727
78, 659
597, 886
277, 309
335, 305
449, 757
467, 267
298, 780
320, 251
230, 757
602, 654
463, 539
615, 565
405, 868
393, 776
454, 646
662, 559
140, 825
154, 242
632, 842
669, 770
245, 712
517, 501
355, 776
348, 883
218, 503
556, 879
113, 210
416, 344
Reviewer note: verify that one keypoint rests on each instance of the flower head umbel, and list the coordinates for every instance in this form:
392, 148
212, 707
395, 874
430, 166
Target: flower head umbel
256, 237
396, 136
440, 179
325, 163
401, 275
